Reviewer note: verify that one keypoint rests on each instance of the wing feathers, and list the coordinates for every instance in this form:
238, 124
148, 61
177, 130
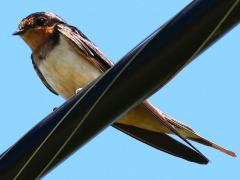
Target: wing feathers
145, 122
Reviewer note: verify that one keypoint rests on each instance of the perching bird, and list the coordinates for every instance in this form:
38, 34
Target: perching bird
66, 60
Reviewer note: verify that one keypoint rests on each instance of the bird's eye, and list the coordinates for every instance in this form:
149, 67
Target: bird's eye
40, 21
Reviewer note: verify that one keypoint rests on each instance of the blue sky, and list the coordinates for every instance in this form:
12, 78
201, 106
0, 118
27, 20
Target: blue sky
205, 95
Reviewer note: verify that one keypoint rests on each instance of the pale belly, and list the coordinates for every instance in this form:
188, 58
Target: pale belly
65, 70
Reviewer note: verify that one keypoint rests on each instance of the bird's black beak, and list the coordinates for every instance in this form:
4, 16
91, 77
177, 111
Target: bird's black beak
18, 32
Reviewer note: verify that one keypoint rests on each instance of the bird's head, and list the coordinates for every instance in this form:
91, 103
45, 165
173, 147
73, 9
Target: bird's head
36, 28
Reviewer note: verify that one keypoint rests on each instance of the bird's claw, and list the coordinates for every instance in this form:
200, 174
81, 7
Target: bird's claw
78, 90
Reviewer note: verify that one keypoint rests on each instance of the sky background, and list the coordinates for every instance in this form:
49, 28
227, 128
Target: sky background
205, 95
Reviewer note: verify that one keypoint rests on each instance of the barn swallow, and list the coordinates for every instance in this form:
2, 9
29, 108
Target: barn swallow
66, 60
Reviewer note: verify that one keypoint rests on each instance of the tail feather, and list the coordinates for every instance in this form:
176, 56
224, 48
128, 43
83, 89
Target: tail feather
146, 123
189, 133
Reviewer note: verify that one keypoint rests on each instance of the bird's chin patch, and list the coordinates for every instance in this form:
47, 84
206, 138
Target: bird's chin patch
36, 37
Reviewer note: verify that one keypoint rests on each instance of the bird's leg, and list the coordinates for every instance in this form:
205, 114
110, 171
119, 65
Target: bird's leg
77, 91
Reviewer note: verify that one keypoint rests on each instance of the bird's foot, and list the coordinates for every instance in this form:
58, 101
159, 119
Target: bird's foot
78, 90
